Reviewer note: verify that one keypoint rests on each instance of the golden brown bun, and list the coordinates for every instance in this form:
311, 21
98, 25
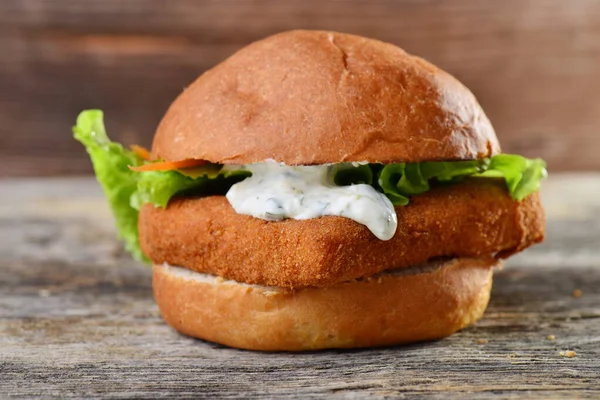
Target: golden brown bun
314, 97
471, 219
425, 304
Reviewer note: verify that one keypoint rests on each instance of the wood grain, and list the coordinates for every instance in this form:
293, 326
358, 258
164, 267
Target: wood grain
77, 318
533, 64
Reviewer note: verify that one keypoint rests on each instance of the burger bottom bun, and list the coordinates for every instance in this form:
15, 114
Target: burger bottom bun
421, 303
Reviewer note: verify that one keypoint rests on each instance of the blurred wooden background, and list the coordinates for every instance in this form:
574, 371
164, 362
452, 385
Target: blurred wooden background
534, 65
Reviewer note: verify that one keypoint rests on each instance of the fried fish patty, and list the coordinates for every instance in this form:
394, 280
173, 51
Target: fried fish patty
470, 219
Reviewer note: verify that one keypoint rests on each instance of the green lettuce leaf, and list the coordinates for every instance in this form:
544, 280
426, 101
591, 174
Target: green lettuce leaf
158, 187
389, 179
399, 181
413, 181
522, 175
345, 174
119, 183
445, 171
127, 190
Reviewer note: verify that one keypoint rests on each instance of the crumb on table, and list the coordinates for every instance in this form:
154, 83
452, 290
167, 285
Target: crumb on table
568, 353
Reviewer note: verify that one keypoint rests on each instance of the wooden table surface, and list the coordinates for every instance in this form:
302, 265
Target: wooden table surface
77, 317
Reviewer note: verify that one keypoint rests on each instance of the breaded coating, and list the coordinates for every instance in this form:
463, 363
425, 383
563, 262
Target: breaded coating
470, 219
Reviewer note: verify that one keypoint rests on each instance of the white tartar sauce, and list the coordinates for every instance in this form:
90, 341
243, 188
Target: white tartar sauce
276, 191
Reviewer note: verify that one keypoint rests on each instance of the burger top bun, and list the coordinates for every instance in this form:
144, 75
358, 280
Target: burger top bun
315, 97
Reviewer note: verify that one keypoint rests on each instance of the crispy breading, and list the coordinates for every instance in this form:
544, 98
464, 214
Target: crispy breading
471, 219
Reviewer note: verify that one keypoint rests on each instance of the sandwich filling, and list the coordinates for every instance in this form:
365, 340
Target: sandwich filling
276, 191
364, 192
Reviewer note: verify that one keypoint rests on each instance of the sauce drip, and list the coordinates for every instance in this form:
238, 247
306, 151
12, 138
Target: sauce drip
276, 191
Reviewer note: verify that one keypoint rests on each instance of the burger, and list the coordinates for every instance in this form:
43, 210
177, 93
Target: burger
320, 190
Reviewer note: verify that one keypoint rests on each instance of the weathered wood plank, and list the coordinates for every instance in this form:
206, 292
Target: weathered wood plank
82, 330
77, 318
533, 64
